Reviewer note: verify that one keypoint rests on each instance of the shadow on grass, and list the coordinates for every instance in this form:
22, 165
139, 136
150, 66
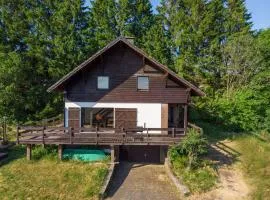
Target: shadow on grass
38, 152
222, 154
14, 153
219, 152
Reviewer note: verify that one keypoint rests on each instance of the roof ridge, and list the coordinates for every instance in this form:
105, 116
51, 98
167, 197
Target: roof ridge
135, 48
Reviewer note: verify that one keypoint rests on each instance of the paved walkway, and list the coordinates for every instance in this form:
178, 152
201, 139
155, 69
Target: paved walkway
141, 182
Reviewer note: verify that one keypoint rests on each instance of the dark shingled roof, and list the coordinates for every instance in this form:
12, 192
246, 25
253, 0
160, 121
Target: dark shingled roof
195, 90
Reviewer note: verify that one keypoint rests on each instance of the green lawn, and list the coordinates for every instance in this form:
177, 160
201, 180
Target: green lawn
47, 178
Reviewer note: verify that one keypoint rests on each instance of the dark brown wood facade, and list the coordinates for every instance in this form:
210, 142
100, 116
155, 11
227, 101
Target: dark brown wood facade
123, 65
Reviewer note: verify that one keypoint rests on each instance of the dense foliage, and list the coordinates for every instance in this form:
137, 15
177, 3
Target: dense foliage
209, 42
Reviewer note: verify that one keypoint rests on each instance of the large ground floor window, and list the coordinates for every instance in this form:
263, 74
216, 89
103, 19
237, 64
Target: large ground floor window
97, 117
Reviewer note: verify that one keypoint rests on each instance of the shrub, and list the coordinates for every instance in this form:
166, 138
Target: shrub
192, 146
47, 151
199, 174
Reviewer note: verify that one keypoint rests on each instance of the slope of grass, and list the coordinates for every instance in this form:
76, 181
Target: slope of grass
199, 179
254, 159
47, 178
255, 163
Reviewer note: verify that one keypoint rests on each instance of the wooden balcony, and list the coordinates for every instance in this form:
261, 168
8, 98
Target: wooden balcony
101, 136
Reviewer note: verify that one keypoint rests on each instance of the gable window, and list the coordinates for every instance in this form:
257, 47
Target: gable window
103, 82
143, 83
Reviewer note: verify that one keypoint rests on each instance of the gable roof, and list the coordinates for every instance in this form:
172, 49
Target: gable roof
65, 78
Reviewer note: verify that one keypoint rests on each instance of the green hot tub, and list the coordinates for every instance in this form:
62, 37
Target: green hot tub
84, 154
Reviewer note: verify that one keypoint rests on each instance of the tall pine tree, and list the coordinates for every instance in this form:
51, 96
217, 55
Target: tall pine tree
112, 18
157, 42
42, 41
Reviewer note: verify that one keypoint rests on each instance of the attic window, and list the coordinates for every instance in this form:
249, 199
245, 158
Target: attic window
103, 82
143, 83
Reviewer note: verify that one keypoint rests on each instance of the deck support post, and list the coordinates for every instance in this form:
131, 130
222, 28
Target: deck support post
114, 153
185, 117
28, 151
163, 153
60, 151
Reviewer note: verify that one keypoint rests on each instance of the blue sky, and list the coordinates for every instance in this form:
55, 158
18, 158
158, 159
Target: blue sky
259, 9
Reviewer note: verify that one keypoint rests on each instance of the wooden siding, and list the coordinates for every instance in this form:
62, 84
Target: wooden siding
74, 117
125, 118
164, 115
123, 66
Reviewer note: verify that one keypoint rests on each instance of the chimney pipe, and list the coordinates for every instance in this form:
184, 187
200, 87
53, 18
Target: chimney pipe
130, 39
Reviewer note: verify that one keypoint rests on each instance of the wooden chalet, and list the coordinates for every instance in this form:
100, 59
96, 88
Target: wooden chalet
121, 98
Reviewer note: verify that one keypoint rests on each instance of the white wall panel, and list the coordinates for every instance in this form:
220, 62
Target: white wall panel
148, 113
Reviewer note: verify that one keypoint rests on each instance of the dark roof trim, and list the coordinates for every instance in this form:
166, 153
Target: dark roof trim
92, 58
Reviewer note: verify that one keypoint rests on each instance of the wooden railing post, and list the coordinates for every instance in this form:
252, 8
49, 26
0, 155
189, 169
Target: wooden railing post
185, 117
123, 137
43, 135
147, 132
70, 135
173, 132
18, 134
96, 135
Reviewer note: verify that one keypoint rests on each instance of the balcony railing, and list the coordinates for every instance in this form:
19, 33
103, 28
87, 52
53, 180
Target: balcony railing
101, 136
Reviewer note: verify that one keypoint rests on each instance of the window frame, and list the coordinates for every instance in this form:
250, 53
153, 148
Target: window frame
144, 90
108, 83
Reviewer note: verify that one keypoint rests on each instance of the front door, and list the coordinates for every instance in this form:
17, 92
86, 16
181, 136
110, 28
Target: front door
125, 118
74, 117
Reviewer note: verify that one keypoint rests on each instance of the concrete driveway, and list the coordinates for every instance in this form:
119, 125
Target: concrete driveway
141, 182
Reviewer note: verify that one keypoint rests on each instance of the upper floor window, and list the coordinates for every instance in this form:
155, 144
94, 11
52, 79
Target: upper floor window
143, 83
103, 82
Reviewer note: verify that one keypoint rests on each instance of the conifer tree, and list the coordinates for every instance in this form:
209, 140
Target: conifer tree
104, 21
237, 17
112, 18
157, 42
42, 41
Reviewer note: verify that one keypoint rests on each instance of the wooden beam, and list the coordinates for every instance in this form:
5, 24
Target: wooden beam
112, 154
116, 153
60, 151
188, 90
163, 153
164, 116
185, 117
28, 151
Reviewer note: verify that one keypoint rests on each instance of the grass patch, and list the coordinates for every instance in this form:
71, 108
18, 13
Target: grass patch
47, 178
255, 162
199, 179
